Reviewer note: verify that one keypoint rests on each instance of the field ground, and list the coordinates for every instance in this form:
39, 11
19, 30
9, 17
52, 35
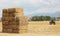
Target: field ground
38, 28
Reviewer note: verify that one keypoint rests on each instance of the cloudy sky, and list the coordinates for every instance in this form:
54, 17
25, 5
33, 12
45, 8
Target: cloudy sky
32, 6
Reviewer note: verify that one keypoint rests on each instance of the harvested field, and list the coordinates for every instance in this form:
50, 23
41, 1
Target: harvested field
44, 26
38, 28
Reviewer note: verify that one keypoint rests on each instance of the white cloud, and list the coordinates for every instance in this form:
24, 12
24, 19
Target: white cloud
10, 3
47, 10
46, 6
32, 6
31, 1
17, 2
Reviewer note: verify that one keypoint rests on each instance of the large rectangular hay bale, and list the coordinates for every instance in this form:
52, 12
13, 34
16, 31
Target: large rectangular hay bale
16, 21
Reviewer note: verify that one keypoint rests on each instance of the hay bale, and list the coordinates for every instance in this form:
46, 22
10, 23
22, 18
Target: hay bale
14, 20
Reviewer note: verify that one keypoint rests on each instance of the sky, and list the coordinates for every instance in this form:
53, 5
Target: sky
31, 6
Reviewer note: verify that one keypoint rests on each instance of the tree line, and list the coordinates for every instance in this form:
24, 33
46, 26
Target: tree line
40, 18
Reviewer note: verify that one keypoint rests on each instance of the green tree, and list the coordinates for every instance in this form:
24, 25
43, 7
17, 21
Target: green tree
41, 18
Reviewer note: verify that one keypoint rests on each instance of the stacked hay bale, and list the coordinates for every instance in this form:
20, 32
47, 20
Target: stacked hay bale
23, 21
13, 21
23, 25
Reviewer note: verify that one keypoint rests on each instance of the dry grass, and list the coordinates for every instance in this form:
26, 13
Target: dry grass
41, 28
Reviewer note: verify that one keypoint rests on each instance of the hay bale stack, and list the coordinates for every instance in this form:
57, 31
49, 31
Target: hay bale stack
23, 25
14, 21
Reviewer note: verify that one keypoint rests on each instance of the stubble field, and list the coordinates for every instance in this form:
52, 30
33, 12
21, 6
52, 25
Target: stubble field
37, 28
43, 27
